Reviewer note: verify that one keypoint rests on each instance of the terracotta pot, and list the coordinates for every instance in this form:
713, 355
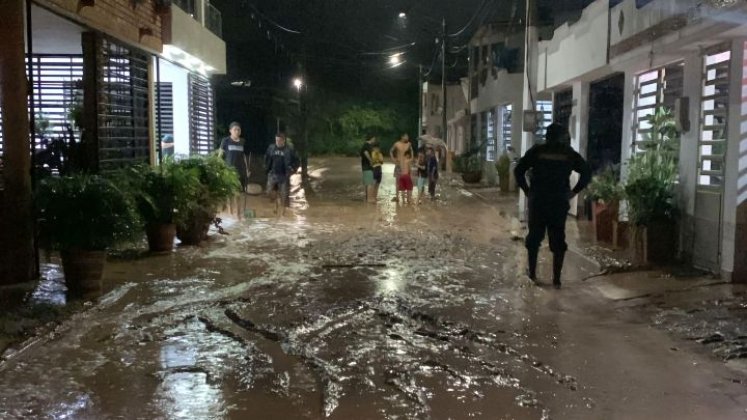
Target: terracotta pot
83, 271
196, 231
604, 215
161, 237
472, 177
503, 182
655, 243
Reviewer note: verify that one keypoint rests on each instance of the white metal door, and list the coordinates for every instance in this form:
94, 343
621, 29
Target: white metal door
709, 195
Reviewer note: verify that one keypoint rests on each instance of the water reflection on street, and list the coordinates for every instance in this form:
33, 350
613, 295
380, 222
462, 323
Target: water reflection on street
340, 309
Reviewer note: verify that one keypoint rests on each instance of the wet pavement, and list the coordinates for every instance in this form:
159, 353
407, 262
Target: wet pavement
350, 311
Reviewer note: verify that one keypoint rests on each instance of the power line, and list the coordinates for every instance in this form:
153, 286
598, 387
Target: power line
272, 22
471, 20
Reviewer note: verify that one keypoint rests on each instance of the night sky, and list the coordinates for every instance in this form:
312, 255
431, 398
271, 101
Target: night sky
343, 45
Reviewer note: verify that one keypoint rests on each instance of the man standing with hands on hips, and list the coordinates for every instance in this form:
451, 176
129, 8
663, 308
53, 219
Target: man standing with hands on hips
549, 192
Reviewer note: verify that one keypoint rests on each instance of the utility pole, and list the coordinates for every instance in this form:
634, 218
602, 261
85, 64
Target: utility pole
16, 226
420, 101
443, 80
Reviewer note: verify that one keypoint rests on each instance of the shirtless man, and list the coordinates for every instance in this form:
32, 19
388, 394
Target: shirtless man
397, 154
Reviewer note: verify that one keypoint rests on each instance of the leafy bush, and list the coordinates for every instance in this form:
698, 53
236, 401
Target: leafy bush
164, 193
650, 187
503, 165
467, 163
606, 186
86, 212
218, 183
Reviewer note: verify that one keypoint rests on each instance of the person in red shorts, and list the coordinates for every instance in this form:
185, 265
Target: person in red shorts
404, 182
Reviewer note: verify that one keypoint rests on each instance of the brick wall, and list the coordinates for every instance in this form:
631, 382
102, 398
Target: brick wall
133, 21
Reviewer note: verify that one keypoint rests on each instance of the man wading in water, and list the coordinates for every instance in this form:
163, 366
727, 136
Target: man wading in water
232, 151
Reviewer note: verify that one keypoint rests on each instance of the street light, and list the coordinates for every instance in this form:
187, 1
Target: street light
298, 83
395, 60
402, 15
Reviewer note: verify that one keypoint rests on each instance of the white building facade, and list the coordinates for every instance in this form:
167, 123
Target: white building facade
687, 56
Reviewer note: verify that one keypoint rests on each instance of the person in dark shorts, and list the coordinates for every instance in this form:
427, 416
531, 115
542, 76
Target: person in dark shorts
232, 149
548, 192
369, 183
377, 162
279, 164
432, 167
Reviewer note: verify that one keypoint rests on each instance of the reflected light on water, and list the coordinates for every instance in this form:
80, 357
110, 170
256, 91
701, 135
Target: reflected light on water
391, 281
187, 391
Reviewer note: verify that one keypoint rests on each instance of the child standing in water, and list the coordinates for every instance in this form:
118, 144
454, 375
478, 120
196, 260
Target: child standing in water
404, 182
422, 174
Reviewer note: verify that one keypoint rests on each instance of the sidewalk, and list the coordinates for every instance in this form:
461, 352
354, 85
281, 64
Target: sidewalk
695, 307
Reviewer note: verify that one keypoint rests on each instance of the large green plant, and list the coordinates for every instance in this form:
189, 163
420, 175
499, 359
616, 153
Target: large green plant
503, 165
653, 173
218, 183
606, 186
86, 212
467, 163
163, 194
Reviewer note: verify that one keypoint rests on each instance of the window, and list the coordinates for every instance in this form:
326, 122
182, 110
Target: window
714, 117
544, 118
491, 149
123, 107
654, 89
506, 125
202, 111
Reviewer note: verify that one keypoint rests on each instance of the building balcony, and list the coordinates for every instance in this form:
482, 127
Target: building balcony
192, 37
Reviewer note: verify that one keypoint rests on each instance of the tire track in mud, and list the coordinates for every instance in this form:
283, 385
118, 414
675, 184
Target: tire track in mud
401, 323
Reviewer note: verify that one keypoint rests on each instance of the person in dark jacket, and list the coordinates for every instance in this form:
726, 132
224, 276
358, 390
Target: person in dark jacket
280, 164
549, 192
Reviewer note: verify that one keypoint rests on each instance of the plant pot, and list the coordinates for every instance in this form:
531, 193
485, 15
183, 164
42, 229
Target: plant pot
161, 237
620, 236
604, 215
655, 243
195, 231
472, 177
83, 271
503, 182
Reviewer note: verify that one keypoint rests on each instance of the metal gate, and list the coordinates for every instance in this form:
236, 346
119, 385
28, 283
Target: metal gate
711, 159
123, 111
202, 115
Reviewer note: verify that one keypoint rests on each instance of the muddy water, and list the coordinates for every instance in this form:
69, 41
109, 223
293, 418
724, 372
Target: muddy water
350, 311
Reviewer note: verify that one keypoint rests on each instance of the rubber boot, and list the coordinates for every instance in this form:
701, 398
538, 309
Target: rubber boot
532, 261
557, 268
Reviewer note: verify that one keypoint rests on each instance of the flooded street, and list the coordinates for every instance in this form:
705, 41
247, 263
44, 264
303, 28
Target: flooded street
349, 311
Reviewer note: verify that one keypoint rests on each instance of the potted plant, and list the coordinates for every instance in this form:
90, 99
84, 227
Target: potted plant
81, 216
503, 167
605, 192
470, 166
650, 191
218, 183
162, 195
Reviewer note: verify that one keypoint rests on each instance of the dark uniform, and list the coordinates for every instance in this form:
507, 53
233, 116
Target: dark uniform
280, 164
549, 193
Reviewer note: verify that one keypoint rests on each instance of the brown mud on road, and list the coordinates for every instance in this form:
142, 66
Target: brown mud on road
349, 311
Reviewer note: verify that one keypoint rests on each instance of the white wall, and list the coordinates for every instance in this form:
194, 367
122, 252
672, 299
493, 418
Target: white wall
190, 36
178, 77
635, 20
574, 49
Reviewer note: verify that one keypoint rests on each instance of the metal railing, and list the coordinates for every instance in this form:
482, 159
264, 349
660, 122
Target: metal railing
213, 20
189, 6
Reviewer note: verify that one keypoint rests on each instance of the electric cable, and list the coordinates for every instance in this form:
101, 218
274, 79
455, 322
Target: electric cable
471, 20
